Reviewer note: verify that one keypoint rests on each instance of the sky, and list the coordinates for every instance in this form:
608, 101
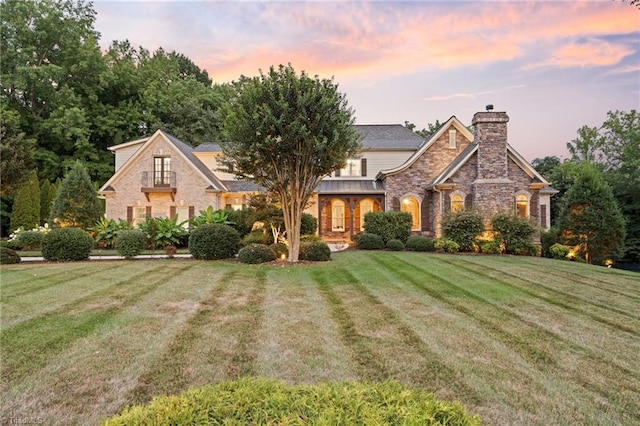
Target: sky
553, 66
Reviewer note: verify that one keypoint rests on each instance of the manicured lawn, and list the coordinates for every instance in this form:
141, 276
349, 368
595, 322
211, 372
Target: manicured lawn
518, 340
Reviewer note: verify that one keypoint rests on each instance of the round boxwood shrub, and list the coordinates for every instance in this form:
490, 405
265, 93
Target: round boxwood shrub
308, 224
445, 245
8, 256
370, 242
67, 244
559, 251
419, 243
130, 243
256, 253
395, 245
213, 241
30, 240
267, 401
317, 251
279, 249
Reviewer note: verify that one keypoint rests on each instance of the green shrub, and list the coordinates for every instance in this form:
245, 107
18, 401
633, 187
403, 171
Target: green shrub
395, 245
464, 228
256, 253
130, 243
240, 220
29, 240
370, 242
267, 401
162, 231
389, 225
310, 237
515, 233
67, 244
317, 251
8, 256
420, 243
491, 247
214, 241
259, 236
549, 238
308, 224
10, 244
106, 231
559, 251
279, 249
445, 245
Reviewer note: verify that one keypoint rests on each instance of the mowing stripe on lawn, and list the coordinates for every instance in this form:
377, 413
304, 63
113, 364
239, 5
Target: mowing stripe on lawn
565, 298
38, 278
219, 312
434, 373
366, 361
50, 334
537, 333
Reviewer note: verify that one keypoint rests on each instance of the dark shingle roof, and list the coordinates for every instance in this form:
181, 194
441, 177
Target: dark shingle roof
388, 136
350, 186
188, 152
208, 147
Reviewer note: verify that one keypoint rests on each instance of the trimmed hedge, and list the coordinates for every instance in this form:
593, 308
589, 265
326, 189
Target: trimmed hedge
279, 249
370, 242
559, 251
267, 401
464, 228
29, 240
130, 243
317, 251
445, 245
395, 245
515, 233
491, 247
214, 241
256, 253
308, 224
8, 256
389, 225
419, 243
67, 244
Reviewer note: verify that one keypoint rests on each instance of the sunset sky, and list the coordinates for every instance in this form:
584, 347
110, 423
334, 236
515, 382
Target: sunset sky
552, 66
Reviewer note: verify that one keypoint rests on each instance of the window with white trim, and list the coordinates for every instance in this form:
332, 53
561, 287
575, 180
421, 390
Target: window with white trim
183, 216
457, 203
352, 168
452, 138
139, 215
337, 215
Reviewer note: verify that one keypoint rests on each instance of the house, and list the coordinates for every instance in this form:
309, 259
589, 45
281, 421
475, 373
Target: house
398, 170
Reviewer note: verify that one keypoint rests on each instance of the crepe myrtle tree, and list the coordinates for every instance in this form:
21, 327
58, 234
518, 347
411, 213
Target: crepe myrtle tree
286, 131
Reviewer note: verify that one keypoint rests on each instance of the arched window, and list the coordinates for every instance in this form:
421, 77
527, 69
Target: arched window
522, 206
337, 215
366, 206
412, 206
457, 203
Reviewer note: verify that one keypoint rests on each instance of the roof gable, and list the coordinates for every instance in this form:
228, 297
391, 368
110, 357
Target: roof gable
453, 121
181, 149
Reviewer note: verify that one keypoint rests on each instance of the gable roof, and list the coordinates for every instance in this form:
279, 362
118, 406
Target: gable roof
181, 148
465, 155
453, 121
388, 136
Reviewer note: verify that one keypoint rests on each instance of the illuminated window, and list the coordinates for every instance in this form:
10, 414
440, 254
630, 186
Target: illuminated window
412, 206
183, 216
457, 203
337, 215
366, 206
352, 168
522, 206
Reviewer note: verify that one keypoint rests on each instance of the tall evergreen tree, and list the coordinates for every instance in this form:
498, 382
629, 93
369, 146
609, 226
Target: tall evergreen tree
26, 207
591, 219
76, 203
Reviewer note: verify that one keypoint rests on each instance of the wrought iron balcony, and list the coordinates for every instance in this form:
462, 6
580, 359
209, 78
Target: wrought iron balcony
161, 182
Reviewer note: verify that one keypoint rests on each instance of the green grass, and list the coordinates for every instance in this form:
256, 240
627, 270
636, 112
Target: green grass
518, 340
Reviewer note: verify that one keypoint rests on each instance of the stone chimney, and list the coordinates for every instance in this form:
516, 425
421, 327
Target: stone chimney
490, 132
493, 190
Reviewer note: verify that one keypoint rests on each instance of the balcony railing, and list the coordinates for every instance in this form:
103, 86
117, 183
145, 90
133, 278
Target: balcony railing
164, 182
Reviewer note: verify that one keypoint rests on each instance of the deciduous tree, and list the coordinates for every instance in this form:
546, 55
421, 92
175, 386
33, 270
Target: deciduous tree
286, 132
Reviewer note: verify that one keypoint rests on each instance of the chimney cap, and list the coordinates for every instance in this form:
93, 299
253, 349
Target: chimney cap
489, 107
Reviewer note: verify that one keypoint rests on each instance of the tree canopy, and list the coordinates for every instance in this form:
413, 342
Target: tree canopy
286, 132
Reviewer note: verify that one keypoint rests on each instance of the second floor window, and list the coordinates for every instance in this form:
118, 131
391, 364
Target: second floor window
161, 171
354, 167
